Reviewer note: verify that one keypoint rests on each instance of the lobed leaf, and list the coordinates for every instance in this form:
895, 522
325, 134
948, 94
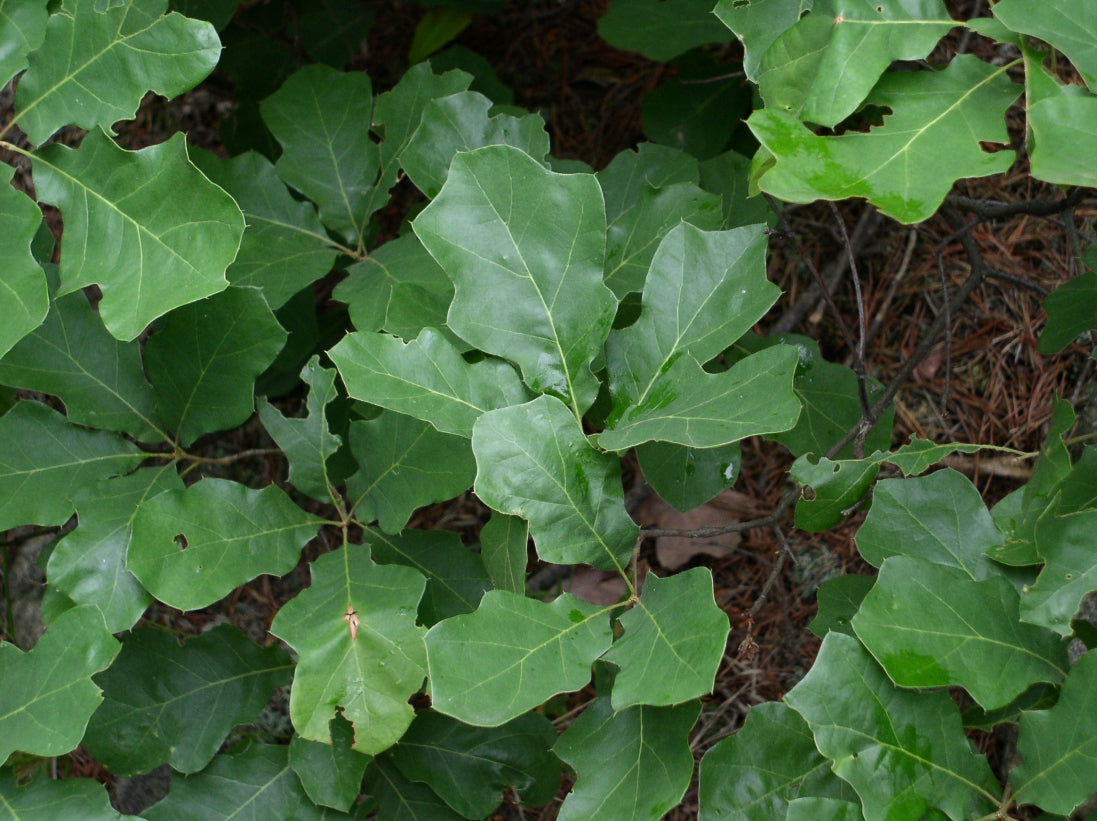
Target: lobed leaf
1070, 26
399, 799
758, 24
24, 296
46, 799
331, 773
22, 29
686, 477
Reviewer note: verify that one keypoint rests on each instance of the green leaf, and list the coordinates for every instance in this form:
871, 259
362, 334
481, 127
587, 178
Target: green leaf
758, 23
24, 296
533, 461
1070, 26
426, 378
770, 762
691, 407
330, 773
632, 764
512, 654
728, 175
45, 460
459, 123
399, 799
404, 464
688, 477
320, 117
824, 66
528, 288
1062, 129
146, 226
204, 360
360, 650
907, 165
456, 579
307, 442
1058, 747
88, 565
436, 28
22, 29
839, 599
46, 799
98, 61
470, 767
835, 488
504, 542
1071, 311
1064, 539
658, 30
933, 626
47, 695
332, 31
191, 547
258, 783
669, 654
157, 686
100, 380
284, 248
826, 809
867, 726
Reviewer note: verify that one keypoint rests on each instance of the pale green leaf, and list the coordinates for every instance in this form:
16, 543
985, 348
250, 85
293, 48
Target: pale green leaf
22, 28
320, 117
770, 762
669, 653
930, 625
460, 122
404, 464
47, 695
100, 380
204, 359
46, 799
630, 765
426, 378
1058, 747
97, 61
824, 66
256, 785
191, 547
331, 773
24, 297
470, 767
166, 702
45, 460
525, 248
907, 165
284, 248
1070, 26
307, 442
685, 477
88, 564
512, 654
659, 30
504, 543
146, 226
533, 461
866, 726
1062, 130
399, 799
361, 652
691, 407
757, 24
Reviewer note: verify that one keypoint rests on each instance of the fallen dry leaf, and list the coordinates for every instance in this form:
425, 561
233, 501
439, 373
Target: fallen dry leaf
729, 507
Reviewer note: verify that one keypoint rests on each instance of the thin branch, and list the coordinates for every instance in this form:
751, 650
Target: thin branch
862, 329
987, 210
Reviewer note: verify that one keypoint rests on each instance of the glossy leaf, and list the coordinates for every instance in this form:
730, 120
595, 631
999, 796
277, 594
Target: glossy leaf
100, 380
686, 478
146, 226
758, 24
284, 248
866, 726
191, 547
24, 297
512, 654
404, 464
45, 460
319, 116
470, 767
47, 695
166, 702
669, 654
460, 122
907, 165
755, 774
22, 29
528, 287
399, 799
824, 66
691, 407
659, 31
630, 765
1069, 26
930, 625
88, 565
97, 62
533, 461
331, 773
504, 544
205, 358
46, 799
1058, 747
426, 378
360, 650
307, 442
256, 784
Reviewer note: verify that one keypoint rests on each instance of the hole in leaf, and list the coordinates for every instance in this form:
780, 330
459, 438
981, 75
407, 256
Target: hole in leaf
992, 148
180, 541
